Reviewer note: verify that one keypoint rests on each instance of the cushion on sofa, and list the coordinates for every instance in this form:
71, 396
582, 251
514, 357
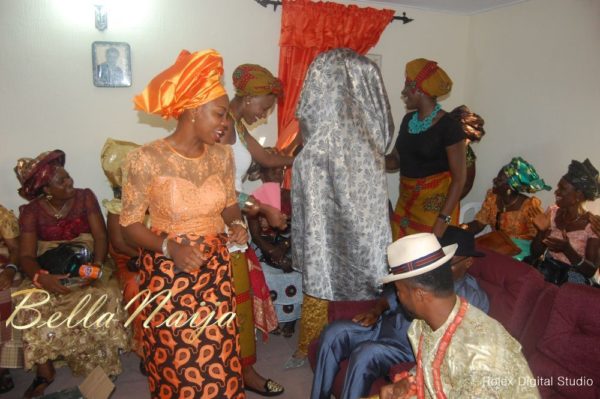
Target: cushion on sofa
569, 346
538, 319
512, 288
346, 310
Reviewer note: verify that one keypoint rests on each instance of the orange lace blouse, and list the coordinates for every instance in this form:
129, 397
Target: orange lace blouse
516, 224
183, 195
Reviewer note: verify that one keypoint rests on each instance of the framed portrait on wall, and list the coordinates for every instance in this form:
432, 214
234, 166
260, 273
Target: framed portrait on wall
111, 64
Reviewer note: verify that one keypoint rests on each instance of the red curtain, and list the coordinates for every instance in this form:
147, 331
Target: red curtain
307, 29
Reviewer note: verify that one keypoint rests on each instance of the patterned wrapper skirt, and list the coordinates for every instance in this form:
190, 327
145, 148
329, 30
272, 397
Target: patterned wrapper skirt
130, 286
11, 344
185, 360
419, 204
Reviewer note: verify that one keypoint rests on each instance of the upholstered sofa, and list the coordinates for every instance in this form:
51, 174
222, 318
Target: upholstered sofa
558, 327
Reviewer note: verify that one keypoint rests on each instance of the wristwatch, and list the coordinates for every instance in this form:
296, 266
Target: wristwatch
445, 218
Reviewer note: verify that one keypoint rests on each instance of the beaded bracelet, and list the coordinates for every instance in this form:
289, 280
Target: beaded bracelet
11, 266
165, 248
36, 277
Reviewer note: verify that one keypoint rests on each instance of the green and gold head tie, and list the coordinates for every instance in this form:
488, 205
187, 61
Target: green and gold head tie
523, 178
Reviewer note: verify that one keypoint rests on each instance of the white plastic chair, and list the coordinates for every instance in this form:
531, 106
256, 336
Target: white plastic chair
467, 214
468, 211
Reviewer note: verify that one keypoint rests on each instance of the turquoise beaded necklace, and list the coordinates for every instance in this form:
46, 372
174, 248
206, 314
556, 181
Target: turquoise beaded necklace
415, 126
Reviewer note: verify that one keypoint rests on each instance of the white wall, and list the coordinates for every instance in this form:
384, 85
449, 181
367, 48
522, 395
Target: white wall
530, 69
533, 74
48, 101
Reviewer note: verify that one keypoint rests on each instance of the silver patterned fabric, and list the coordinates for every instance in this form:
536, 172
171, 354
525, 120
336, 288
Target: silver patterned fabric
340, 222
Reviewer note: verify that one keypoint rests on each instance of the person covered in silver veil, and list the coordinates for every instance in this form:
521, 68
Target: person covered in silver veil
340, 221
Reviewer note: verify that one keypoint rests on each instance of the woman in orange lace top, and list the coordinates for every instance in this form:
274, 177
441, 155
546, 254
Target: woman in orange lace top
507, 208
186, 182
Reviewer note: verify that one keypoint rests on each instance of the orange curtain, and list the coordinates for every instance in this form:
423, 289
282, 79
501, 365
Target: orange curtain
307, 29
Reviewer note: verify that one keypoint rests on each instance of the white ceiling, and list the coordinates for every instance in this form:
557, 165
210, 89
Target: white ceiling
465, 7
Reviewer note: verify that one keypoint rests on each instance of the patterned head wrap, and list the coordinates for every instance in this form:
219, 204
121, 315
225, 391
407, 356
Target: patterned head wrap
112, 156
523, 178
471, 123
428, 77
193, 80
254, 80
35, 173
584, 177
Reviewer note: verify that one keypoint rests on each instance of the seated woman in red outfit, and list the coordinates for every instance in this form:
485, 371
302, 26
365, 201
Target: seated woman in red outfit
186, 183
58, 213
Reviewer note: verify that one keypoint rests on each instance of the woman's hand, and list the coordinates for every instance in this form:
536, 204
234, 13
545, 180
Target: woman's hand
6, 278
397, 390
439, 228
238, 234
252, 206
540, 220
51, 283
274, 216
187, 258
559, 245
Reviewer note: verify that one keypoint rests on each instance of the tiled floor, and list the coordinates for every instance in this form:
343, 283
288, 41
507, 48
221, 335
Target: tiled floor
132, 385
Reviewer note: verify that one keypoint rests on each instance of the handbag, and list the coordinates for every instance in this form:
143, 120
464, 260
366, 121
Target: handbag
65, 258
554, 271
498, 241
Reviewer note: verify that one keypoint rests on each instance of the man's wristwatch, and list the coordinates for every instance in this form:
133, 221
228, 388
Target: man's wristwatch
445, 218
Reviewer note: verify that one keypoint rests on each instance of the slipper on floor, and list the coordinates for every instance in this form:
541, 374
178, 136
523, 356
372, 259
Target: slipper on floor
294, 362
288, 332
37, 382
271, 388
6, 382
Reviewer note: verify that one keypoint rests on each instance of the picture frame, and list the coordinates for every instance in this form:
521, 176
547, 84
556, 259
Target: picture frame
111, 64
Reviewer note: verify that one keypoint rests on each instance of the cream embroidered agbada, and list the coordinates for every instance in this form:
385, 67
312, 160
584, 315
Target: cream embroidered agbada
482, 360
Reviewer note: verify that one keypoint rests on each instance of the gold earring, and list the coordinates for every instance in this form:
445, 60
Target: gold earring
49, 197
193, 117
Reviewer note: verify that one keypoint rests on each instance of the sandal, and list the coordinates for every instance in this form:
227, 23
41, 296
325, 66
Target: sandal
38, 381
276, 331
271, 388
288, 329
6, 382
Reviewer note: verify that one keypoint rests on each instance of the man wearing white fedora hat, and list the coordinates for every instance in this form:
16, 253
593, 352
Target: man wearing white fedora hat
460, 351
375, 340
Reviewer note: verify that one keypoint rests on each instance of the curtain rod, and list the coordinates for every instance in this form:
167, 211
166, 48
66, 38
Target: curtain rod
276, 3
